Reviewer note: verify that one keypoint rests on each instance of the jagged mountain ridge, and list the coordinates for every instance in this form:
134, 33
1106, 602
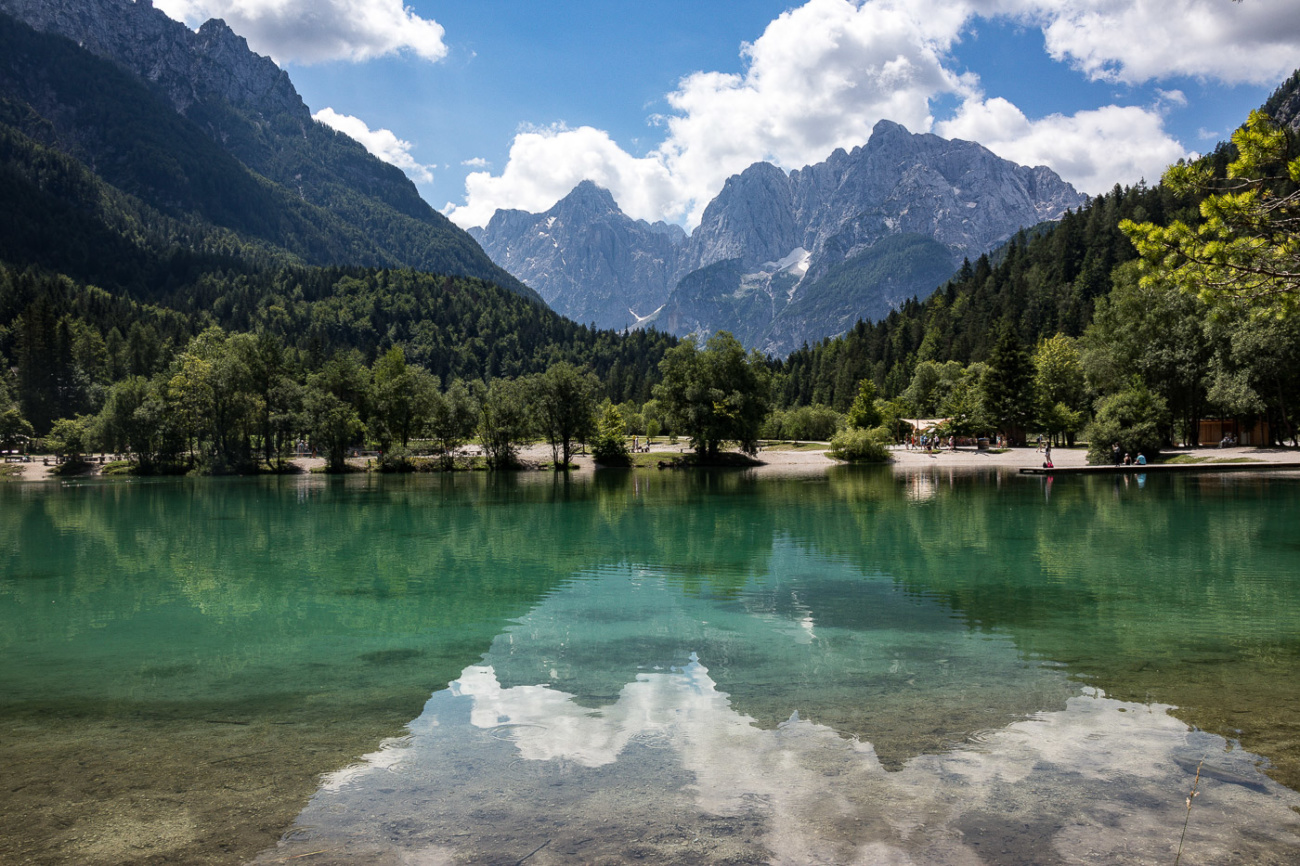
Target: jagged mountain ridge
807, 249
353, 208
586, 258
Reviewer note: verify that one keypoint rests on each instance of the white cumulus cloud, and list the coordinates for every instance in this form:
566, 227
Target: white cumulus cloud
821, 75
546, 164
382, 143
1256, 41
1093, 150
314, 31
818, 78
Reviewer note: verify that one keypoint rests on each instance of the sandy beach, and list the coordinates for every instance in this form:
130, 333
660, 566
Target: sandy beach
780, 460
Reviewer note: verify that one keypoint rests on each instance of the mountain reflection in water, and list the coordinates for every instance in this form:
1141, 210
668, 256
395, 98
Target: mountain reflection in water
537, 751
185, 658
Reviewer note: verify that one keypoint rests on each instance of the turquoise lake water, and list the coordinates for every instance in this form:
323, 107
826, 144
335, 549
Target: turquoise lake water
667, 667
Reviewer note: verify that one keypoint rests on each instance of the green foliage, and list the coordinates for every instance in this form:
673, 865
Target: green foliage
504, 420
335, 403
1135, 418
856, 445
1058, 371
124, 425
453, 418
715, 394
235, 399
1246, 249
396, 459
1008, 386
401, 399
15, 430
864, 414
1256, 368
964, 401
816, 423
609, 447
1150, 329
1059, 384
564, 407
1060, 421
72, 437
333, 423
893, 415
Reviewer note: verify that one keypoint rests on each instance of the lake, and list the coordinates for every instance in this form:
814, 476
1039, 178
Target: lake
666, 667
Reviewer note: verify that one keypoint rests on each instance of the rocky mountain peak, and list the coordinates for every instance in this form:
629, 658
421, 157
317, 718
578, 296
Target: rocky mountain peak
589, 198
586, 258
750, 220
785, 258
886, 129
189, 66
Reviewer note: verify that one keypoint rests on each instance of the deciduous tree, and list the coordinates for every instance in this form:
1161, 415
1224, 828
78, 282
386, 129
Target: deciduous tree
564, 405
715, 394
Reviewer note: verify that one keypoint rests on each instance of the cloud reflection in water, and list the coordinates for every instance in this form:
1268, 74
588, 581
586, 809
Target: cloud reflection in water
670, 770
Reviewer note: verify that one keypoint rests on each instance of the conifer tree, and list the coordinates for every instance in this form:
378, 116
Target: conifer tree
1009, 385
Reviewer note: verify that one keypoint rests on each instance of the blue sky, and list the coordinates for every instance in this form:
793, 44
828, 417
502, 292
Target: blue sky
509, 103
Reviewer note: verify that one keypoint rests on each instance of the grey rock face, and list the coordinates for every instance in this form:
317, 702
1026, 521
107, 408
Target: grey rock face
215, 62
782, 259
753, 220
586, 258
957, 192
1284, 104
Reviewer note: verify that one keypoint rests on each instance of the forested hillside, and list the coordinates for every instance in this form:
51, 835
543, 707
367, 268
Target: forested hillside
224, 177
69, 342
1042, 282
185, 272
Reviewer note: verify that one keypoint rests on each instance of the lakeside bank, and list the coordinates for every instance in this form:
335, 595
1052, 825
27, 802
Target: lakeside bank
783, 460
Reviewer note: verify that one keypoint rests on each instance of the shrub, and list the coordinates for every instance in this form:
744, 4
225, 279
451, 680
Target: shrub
856, 445
1134, 418
396, 459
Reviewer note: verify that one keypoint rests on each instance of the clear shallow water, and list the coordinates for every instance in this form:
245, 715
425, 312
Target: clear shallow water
865, 668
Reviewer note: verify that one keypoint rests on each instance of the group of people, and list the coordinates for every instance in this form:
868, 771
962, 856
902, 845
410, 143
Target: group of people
927, 442
1123, 458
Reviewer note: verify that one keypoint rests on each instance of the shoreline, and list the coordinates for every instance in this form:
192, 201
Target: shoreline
776, 461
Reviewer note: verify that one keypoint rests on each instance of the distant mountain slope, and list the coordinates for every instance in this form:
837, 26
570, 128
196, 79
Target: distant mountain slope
586, 258
198, 127
1284, 104
806, 253
831, 304
56, 215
